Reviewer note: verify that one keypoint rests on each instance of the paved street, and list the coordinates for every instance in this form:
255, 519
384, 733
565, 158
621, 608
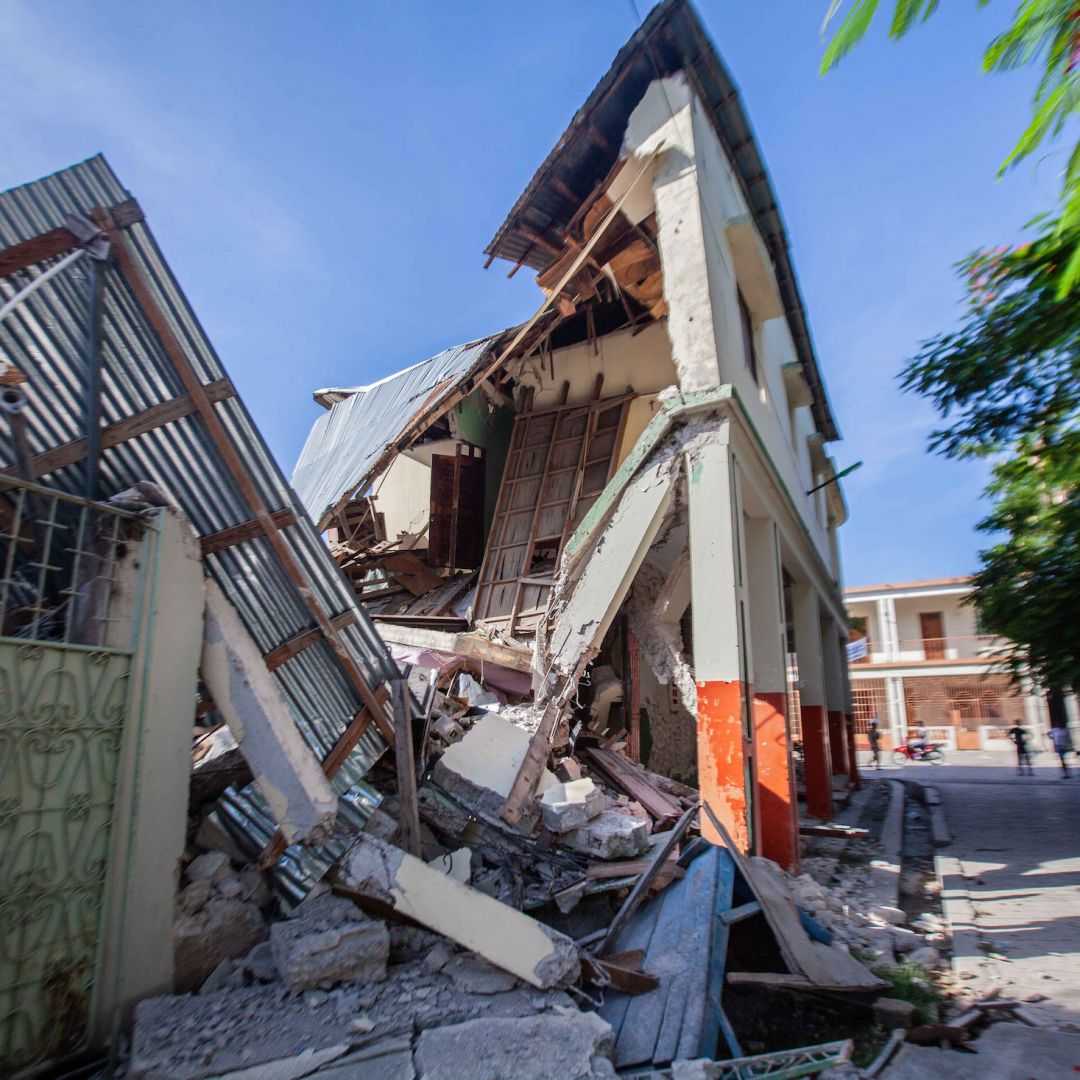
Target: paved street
1012, 875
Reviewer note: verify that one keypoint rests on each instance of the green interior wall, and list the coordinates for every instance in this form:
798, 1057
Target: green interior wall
488, 426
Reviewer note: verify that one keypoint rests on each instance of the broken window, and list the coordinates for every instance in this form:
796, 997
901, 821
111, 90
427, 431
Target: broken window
749, 348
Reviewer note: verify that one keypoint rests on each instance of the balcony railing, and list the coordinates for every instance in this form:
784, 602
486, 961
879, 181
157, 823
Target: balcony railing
941, 650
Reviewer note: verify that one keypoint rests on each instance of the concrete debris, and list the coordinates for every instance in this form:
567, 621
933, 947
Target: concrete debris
209, 867
516, 943
220, 929
611, 835
571, 805
565, 1043
329, 941
470, 973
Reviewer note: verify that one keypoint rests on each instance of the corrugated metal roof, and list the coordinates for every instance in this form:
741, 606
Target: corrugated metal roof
45, 337
347, 440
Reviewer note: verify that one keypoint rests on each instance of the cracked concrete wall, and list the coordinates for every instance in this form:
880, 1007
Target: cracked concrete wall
260, 720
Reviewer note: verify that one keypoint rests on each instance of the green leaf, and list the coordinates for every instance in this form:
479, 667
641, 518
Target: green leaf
850, 32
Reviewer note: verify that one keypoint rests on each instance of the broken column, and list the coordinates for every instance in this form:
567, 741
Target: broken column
249, 699
501, 934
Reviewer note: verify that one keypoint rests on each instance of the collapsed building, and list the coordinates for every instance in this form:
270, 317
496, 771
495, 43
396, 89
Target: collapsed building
532, 696
634, 487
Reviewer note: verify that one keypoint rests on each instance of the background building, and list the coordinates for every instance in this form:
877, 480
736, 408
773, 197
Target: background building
918, 659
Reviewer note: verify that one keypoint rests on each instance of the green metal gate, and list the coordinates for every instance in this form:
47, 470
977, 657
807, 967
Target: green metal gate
63, 719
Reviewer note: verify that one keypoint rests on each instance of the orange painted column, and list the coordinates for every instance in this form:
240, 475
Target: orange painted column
778, 823
838, 754
721, 758
817, 766
853, 765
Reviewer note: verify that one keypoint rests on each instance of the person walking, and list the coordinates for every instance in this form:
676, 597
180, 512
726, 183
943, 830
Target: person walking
1023, 755
873, 733
1062, 742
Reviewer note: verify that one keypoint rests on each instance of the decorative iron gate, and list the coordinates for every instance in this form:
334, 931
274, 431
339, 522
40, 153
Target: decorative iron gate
63, 717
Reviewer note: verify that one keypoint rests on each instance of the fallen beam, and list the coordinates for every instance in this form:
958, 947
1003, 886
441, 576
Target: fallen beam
504, 936
252, 705
472, 646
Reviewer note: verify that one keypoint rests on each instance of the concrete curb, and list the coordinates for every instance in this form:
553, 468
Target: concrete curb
885, 870
939, 826
959, 912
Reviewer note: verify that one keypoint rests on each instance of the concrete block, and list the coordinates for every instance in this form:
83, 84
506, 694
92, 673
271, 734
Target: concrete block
564, 1043
571, 805
455, 864
894, 1013
388, 1059
508, 938
259, 717
886, 913
330, 940
481, 768
477, 976
222, 929
610, 836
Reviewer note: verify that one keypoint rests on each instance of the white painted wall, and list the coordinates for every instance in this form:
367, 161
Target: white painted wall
692, 159
403, 494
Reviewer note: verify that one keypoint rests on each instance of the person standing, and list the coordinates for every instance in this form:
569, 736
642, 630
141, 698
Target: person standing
1062, 741
1019, 737
873, 733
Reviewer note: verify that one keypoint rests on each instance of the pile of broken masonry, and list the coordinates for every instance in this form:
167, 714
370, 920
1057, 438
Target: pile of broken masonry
494, 951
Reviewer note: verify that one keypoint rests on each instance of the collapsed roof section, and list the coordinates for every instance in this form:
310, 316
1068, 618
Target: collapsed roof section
541, 226
347, 441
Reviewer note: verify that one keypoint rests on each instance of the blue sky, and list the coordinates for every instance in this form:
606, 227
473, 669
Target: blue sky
324, 176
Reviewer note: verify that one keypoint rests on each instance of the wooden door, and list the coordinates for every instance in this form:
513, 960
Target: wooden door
933, 635
456, 532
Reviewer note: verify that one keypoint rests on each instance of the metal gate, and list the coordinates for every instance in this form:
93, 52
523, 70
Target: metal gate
63, 719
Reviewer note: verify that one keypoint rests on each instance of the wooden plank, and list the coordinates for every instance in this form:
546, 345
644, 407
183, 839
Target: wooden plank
743, 911
823, 965
660, 806
304, 640
533, 764
472, 646
143, 291
58, 241
246, 530
716, 1024
638, 892
408, 808
129, 428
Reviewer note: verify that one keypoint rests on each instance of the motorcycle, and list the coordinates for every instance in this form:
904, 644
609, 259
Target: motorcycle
930, 752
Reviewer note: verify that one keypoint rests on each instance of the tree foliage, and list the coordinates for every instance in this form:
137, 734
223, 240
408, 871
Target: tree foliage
1043, 32
1008, 384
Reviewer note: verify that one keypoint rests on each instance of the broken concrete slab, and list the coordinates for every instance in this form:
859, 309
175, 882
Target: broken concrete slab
571, 805
388, 1059
194, 1037
566, 1043
455, 864
252, 704
611, 835
329, 941
481, 768
222, 929
477, 976
508, 938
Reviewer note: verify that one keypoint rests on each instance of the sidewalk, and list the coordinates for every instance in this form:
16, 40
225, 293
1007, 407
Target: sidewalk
1011, 883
